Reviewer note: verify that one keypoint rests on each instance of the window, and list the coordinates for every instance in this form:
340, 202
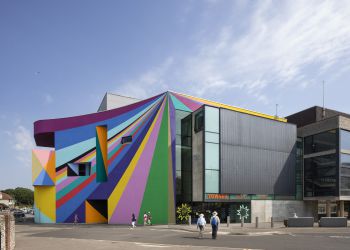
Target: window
344, 140
79, 169
199, 121
212, 156
320, 142
211, 119
126, 139
212, 150
211, 181
320, 176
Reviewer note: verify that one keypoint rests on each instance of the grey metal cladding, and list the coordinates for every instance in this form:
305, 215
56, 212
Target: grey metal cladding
257, 155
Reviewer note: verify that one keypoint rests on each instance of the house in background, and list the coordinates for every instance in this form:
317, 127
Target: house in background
6, 201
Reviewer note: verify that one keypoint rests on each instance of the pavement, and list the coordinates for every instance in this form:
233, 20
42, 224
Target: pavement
66, 236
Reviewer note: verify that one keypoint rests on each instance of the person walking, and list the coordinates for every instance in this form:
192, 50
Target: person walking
149, 217
76, 219
214, 222
201, 225
133, 220
145, 219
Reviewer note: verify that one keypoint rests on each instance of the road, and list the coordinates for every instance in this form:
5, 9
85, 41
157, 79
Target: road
40, 237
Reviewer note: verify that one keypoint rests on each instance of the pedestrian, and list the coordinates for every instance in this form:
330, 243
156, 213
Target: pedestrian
145, 219
214, 222
76, 219
149, 218
201, 225
133, 220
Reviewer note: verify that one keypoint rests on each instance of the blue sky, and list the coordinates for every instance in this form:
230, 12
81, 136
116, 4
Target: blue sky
58, 58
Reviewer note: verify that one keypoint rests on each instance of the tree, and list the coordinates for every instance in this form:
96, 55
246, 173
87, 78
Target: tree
23, 196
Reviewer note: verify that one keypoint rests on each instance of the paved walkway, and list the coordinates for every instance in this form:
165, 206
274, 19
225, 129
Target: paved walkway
52, 237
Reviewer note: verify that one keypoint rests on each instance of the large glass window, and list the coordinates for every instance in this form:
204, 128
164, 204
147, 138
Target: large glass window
179, 116
320, 142
185, 192
320, 176
199, 121
212, 149
212, 137
211, 119
344, 140
212, 156
211, 181
299, 170
345, 174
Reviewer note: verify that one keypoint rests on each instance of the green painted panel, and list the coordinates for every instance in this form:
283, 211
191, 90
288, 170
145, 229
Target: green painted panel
155, 199
101, 175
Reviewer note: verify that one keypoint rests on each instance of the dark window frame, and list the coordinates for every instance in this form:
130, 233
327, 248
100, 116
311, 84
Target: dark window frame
126, 139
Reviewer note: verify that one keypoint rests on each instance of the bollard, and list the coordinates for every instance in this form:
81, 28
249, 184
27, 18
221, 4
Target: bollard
189, 220
228, 221
271, 222
256, 222
242, 221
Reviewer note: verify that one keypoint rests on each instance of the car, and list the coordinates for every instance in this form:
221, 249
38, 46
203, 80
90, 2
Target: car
18, 214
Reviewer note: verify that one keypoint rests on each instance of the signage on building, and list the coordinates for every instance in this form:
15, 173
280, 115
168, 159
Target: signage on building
217, 196
240, 197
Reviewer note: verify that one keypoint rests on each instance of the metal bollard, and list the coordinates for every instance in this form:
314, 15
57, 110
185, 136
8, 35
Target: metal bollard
228, 221
271, 222
189, 220
256, 222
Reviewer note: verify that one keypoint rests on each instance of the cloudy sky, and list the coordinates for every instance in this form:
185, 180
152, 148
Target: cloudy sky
58, 58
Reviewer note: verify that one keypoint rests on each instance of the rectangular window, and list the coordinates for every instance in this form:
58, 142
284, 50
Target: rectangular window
345, 160
212, 156
211, 119
126, 139
211, 137
79, 169
344, 140
199, 121
211, 181
320, 142
320, 176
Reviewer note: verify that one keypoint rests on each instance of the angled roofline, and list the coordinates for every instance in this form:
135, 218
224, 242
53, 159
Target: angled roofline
233, 108
44, 129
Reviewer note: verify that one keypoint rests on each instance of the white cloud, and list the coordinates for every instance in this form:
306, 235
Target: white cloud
279, 43
147, 82
48, 98
23, 143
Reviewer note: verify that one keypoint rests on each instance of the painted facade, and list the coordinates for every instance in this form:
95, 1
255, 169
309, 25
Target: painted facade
88, 171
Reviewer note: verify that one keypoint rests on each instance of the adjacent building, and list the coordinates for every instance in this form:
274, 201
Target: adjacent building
325, 134
137, 156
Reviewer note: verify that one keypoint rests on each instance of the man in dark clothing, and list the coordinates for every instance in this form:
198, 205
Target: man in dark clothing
214, 222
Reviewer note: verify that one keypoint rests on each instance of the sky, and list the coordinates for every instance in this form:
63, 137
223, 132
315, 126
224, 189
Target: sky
59, 58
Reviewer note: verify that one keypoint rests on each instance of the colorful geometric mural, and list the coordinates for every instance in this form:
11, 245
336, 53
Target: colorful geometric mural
111, 164
43, 165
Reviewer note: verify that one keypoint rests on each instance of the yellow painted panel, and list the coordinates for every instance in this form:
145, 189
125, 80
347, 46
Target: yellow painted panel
36, 167
45, 200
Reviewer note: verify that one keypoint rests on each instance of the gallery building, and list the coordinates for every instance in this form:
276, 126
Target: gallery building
136, 156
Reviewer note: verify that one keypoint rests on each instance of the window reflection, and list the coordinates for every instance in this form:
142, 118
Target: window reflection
320, 142
320, 176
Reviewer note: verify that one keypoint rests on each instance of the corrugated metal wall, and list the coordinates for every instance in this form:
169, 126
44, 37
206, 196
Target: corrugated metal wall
257, 155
